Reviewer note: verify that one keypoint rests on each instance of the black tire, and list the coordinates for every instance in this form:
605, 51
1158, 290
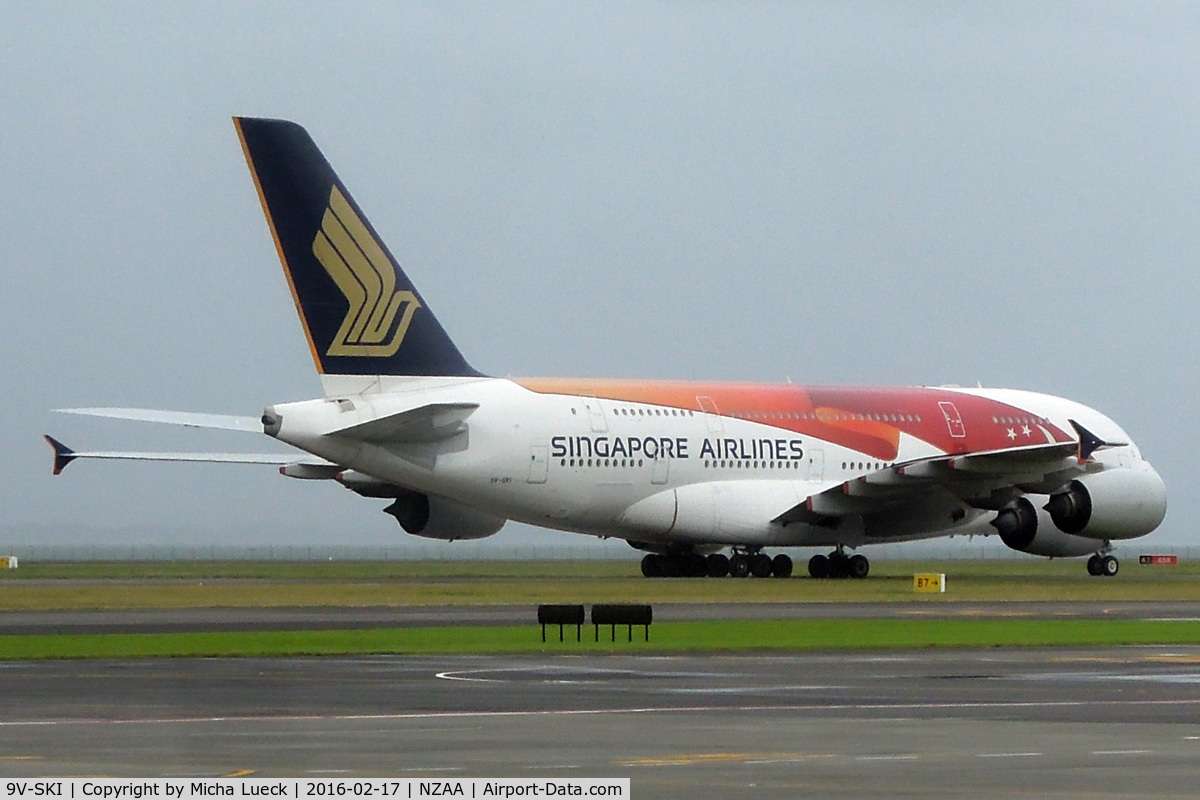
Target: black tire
1093, 565
739, 566
760, 565
652, 566
818, 566
782, 566
695, 566
717, 565
839, 565
859, 567
1109, 566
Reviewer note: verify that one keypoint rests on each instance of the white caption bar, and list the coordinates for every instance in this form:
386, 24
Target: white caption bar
309, 788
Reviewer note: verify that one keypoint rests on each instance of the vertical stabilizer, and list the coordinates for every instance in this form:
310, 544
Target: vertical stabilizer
359, 310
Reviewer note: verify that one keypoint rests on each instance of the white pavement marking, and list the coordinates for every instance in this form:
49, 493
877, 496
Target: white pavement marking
1121, 752
1007, 755
591, 712
446, 676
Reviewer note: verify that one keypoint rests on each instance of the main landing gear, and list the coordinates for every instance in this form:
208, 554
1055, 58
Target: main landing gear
838, 565
743, 563
1102, 565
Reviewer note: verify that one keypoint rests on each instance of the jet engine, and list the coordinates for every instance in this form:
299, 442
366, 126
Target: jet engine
436, 517
1029, 529
431, 516
1115, 504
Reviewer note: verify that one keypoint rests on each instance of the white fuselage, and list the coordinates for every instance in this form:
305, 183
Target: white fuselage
661, 472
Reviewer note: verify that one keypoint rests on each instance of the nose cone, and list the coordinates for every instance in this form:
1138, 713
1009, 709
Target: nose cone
1157, 497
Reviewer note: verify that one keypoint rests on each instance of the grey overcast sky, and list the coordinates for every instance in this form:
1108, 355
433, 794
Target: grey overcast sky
897, 193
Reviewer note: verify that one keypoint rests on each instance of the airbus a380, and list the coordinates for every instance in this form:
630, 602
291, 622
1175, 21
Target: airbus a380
680, 470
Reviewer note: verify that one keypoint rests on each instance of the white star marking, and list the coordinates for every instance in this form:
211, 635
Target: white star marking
1026, 430
1011, 434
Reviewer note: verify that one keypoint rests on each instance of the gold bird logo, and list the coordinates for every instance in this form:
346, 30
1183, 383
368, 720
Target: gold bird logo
379, 315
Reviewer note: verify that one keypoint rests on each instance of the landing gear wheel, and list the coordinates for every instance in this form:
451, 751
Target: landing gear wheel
818, 566
653, 566
1094, 565
760, 565
781, 566
717, 565
695, 566
859, 566
739, 566
1109, 566
839, 565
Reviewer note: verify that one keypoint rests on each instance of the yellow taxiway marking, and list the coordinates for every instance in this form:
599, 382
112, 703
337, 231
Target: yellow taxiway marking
1161, 658
1175, 658
240, 773
685, 759
976, 613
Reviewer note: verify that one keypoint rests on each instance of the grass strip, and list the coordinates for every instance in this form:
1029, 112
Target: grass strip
227, 585
664, 637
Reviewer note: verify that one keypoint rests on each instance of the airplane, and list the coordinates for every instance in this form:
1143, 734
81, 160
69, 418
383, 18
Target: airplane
681, 470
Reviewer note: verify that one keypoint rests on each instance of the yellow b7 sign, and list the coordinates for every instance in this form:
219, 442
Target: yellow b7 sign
929, 582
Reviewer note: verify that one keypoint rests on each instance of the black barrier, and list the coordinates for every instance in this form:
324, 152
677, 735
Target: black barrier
560, 616
614, 615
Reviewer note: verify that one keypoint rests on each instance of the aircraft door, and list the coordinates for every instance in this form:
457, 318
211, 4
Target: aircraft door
816, 465
712, 415
662, 470
539, 463
596, 415
953, 420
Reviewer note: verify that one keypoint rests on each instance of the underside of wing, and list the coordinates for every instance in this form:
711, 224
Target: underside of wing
912, 499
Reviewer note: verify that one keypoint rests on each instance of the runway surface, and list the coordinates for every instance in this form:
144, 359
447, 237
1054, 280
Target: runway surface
333, 617
1057, 722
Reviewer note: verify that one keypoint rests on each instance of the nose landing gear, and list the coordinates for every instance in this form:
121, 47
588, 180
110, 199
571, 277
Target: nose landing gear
1103, 565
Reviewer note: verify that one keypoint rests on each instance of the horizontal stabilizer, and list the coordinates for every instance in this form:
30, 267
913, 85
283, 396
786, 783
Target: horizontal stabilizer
64, 455
186, 418
431, 423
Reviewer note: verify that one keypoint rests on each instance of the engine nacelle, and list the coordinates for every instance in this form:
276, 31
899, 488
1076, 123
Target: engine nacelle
436, 517
1029, 529
1114, 504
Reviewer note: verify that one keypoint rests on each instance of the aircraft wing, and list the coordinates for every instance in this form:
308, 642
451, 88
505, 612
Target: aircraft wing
64, 455
186, 418
930, 494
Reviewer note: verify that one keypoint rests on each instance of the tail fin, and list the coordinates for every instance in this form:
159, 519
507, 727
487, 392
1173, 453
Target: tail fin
359, 310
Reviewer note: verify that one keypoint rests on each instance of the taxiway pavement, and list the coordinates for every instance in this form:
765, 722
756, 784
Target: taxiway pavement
1054, 722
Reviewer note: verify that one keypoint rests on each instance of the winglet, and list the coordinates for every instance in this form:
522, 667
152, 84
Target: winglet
1089, 442
63, 455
